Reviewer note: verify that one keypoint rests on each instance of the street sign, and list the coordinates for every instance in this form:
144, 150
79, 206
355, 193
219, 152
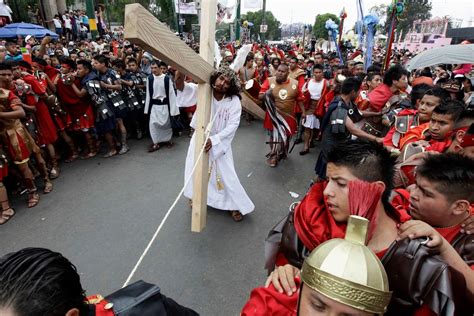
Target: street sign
263, 28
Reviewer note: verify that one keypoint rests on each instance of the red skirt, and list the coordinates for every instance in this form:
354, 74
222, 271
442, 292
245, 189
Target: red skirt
3, 171
47, 133
18, 150
291, 121
189, 109
62, 121
83, 120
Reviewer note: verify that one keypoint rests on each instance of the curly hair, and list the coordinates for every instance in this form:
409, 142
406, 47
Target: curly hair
234, 88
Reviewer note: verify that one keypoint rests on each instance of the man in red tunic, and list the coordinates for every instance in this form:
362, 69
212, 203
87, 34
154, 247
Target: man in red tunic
14, 135
281, 95
47, 133
77, 105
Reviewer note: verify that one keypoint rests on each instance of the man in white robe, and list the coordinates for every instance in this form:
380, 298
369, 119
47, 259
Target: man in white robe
224, 190
161, 104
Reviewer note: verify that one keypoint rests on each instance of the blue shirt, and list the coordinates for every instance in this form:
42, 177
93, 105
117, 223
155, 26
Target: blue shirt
17, 57
85, 19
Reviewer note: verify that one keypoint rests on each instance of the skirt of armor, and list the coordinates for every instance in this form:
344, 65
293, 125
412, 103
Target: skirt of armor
133, 104
104, 125
120, 112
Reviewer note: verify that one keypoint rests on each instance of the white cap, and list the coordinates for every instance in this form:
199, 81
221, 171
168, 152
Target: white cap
28, 37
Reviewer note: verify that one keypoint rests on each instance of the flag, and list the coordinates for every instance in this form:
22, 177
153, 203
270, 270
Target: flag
226, 11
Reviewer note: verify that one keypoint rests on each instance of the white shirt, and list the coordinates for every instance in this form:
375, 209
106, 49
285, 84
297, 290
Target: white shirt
57, 23
67, 22
159, 91
187, 97
315, 89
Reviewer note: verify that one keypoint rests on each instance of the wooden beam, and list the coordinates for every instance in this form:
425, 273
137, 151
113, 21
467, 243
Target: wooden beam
252, 107
143, 29
203, 112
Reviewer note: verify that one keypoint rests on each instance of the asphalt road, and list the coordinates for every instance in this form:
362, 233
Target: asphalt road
103, 212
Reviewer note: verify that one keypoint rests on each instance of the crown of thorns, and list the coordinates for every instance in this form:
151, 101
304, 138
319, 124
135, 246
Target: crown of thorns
229, 73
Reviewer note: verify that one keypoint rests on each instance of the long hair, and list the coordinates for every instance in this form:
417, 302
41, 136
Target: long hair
37, 282
234, 88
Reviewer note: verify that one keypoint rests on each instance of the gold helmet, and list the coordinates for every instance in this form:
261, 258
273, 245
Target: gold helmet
348, 272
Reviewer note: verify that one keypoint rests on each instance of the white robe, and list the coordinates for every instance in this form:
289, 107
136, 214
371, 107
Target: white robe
233, 196
160, 125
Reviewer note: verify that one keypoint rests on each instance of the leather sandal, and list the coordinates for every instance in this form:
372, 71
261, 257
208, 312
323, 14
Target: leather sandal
48, 187
33, 199
153, 148
6, 215
272, 161
110, 154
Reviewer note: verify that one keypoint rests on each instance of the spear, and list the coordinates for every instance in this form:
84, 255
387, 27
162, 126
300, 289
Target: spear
343, 16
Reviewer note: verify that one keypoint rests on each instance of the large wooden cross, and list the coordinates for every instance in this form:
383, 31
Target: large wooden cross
143, 29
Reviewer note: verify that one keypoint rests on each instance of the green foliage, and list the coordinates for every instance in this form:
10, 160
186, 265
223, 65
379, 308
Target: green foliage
115, 10
414, 10
273, 32
167, 14
319, 28
20, 9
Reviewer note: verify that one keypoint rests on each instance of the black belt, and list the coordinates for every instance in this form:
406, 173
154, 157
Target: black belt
158, 101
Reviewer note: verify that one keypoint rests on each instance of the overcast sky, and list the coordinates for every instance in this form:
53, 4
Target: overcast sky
306, 10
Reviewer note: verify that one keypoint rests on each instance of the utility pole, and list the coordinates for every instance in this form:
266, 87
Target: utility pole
180, 27
237, 22
262, 35
304, 33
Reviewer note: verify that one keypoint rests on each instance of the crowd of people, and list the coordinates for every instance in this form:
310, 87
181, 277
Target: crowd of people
64, 99
396, 148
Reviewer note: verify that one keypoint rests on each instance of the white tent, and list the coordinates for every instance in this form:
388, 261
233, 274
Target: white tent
453, 54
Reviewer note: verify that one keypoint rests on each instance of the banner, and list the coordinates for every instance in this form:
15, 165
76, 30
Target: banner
252, 5
183, 7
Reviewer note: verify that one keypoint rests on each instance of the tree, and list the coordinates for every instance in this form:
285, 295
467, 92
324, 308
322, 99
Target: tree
319, 28
270, 20
414, 10
116, 11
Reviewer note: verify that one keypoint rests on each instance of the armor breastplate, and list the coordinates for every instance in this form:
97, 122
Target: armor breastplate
284, 94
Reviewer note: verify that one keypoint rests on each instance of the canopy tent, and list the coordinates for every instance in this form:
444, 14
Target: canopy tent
453, 54
24, 29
